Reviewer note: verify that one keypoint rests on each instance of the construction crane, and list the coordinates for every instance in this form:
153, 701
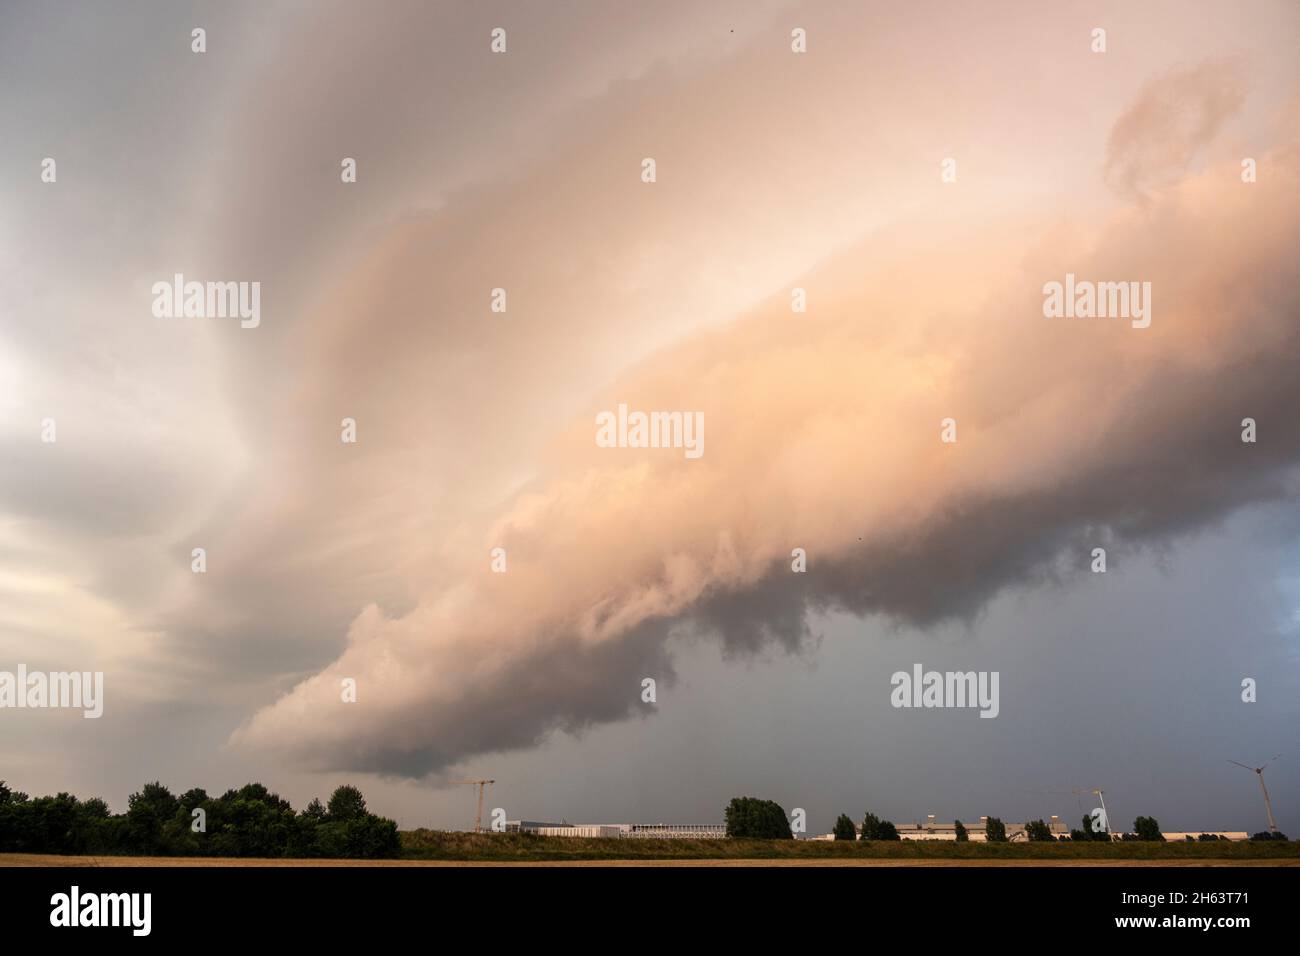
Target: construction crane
478, 815
1268, 804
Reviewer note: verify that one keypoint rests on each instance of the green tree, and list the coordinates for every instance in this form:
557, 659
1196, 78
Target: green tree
995, 831
1088, 833
1146, 828
154, 799
371, 837
147, 813
1039, 832
960, 830
52, 824
844, 829
192, 798
346, 803
250, 821
755, 819
870, 826
874, 828
1269, 835
259, 794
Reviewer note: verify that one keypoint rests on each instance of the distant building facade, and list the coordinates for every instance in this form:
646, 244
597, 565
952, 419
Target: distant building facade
529, 826
1018, 833
676, 831
582, 830
932, 830
629, 831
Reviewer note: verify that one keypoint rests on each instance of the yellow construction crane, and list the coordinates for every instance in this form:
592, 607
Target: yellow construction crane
478, 815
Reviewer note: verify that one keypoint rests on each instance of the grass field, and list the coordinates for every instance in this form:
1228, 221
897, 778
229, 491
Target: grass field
523, 847
436, 848
47, 860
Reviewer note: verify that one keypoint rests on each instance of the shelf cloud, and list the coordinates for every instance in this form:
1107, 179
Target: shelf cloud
824, 434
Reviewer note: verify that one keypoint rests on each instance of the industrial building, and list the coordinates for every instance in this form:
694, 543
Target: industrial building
631, 831
582, 830
530, 826
676, 831
931, 830
1016, 832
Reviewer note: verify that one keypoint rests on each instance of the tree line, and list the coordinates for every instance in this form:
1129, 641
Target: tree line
755, 819
248, 822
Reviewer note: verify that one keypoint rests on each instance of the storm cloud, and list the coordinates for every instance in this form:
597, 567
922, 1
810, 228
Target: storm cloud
824, 434
820, 171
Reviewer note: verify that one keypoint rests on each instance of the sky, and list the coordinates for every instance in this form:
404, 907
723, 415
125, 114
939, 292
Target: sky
921, 172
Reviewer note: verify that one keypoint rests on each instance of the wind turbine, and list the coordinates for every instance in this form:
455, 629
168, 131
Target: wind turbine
1268, 804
